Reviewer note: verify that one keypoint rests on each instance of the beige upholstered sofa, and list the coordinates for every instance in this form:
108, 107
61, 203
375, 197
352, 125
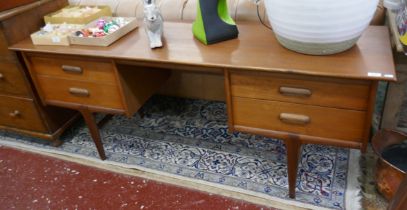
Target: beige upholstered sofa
175, 10
185, 83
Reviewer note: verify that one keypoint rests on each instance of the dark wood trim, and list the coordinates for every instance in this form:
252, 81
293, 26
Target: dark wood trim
172, 66
40, 135
304, 139
369, 115
78, 106
51, 137
33, 77
125, 101
18, 10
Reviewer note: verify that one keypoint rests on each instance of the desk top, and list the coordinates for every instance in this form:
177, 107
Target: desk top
255, 49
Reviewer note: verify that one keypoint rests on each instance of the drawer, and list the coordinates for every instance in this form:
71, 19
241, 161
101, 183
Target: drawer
79, 92
337, 93
75, 69
20, 113
12, 80
298, 118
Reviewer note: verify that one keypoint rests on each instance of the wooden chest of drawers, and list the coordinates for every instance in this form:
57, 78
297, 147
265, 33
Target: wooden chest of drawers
20, 113
12, 80
20, 109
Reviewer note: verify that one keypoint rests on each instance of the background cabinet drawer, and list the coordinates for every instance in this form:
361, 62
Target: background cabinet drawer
12, 80
297, 118
79, 92
20, 113
349, 94
77, 69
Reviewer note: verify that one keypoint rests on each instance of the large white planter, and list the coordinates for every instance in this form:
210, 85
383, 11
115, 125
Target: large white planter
319, 27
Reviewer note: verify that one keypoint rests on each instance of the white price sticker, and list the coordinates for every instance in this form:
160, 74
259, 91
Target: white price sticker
374, 74
389, 75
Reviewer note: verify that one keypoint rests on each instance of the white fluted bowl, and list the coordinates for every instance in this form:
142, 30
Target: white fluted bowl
319, 27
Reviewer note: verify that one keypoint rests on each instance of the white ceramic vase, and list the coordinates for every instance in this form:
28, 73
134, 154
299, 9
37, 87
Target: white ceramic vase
319, 27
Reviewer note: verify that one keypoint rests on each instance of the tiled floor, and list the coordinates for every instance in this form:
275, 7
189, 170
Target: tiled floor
33, 181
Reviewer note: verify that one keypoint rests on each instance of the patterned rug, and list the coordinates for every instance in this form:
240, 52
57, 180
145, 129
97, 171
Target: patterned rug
189, 138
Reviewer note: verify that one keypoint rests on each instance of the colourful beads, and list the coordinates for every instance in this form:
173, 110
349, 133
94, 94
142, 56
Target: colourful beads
102, 28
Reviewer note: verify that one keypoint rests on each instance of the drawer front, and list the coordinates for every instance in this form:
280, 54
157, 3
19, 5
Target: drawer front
20, 113
297, 118
75, 69
79, 92
12, 80
337, 93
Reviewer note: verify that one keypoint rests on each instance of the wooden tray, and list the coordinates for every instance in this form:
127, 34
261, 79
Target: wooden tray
104, 11
108, 39
49, 39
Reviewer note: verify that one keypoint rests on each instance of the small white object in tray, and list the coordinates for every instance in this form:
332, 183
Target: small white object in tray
54, 34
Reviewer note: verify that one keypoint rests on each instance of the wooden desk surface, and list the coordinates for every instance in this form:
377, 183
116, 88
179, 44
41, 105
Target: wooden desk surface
255, 49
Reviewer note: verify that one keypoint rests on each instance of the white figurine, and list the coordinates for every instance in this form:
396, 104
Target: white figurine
153, 22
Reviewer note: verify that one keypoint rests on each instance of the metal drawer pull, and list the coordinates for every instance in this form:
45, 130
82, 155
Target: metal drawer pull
295, 118
15, 113
79, 92
1, 76
72, 69
295, 91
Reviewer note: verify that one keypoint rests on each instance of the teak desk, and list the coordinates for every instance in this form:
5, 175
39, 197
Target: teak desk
270, 91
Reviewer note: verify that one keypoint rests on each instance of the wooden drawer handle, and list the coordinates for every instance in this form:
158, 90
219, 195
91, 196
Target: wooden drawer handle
295, 91
1, 76
72, 69
295, 118
79, 92
15, 113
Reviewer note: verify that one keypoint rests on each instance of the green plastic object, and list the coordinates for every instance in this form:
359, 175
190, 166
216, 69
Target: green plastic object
213, 23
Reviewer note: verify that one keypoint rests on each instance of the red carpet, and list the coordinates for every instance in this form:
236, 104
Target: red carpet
32, 181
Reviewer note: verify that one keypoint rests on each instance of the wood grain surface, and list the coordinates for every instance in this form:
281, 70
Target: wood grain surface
91, 70
336, 93
255, 49
99, 94
12, 80
346, 125
20, 113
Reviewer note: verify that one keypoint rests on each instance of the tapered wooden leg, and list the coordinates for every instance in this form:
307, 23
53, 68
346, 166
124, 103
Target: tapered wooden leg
293, 151
94, 131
